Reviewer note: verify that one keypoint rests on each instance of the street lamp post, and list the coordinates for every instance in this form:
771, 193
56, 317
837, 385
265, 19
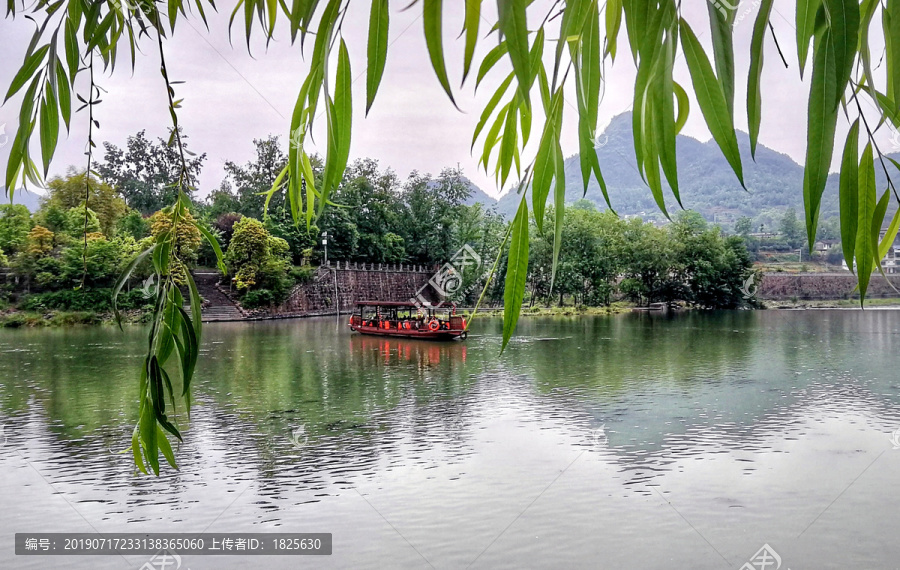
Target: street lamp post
325, 243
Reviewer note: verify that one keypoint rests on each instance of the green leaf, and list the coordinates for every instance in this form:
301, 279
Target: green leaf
720, 23
844, 36
514, 29
343, 119
754, 93
65, 94
891, 24
124, 277
559, 195
711, 99
472, 22
821, 126
165, 447
888, 241
508, 144
875, 227
214, 243
806, 23
865, 248
377, 51
684, 106
613, 23
516, 272
490, 60
432, 11
28, 68
849, 194
49, 116
544, 171
489, 108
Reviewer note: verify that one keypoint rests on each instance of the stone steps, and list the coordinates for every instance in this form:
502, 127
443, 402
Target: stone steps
218, 306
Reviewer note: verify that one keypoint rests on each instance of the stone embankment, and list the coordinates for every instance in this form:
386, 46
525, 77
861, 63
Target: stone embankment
822, 286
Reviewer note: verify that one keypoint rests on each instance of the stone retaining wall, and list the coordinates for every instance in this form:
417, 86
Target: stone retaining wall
338, 287
822, 286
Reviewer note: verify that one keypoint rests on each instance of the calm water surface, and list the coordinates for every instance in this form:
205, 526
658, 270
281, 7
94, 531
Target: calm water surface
634, 441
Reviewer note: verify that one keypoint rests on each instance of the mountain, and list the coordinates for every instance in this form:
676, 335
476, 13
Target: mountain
707, 183
29, 199
478, 196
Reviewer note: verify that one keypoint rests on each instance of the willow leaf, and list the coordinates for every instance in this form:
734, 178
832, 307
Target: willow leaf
711, 100
559, 201
472, 22
613, 24
849, 194
379, 20
516, 272
891, 23
490, 60
806, 23
684, 106
844, 37
26, 71
49, 129
821, 126
720, 23
866, 204
514, 29
754, 93
431, 16
890, 235
875, 227
545, 162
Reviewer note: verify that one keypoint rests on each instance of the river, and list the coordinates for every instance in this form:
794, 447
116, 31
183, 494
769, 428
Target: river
699, 440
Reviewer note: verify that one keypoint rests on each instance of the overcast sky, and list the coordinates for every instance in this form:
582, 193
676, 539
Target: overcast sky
232, 97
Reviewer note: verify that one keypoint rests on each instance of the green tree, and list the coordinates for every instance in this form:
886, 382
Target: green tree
791, 228
134, 224
247, 252
432, 207
15, 223
69, 192
743, 226
80, 221
246, 185
146, 173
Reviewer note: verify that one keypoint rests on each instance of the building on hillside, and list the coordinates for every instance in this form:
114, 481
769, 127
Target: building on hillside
891, 261
825, 245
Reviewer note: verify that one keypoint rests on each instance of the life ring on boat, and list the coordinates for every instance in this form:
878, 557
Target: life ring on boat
433, 325
406, 325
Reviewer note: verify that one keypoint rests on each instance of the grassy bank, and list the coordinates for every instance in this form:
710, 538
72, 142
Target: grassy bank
19, 319
831, 304
614, 309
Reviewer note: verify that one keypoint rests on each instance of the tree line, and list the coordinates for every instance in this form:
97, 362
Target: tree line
377, 217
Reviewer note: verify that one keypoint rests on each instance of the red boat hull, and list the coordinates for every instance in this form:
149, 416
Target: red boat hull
426, 334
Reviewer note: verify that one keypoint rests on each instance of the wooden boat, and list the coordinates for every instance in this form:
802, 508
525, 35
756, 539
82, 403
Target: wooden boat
391, 318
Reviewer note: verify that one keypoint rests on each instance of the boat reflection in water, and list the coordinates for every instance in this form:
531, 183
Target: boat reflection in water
387, 351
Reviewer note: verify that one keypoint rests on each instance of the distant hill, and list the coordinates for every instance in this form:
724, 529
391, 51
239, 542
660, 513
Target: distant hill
707, 183
29, 199
478, 196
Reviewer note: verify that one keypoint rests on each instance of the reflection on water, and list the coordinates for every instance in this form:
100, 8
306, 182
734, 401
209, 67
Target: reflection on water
641, 441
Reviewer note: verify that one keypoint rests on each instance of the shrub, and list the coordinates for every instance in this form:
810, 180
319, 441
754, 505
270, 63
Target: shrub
91, 300
258, 298
301, 274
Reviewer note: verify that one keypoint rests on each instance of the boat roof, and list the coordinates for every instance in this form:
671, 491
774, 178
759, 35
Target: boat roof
400, 304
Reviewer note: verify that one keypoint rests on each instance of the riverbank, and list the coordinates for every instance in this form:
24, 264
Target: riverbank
19, 319
891, 303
